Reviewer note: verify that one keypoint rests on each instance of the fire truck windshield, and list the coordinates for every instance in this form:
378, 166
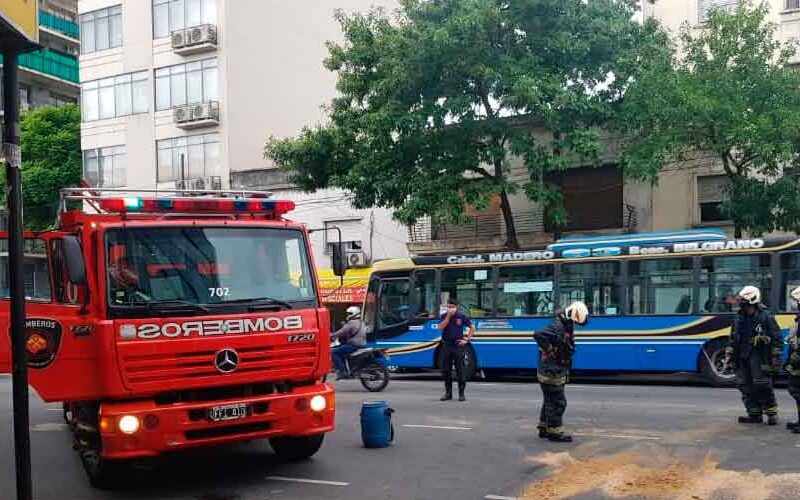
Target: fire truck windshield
207, 267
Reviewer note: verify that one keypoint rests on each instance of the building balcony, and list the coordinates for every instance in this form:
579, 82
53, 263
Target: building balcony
51, 63
487, 232
61, 25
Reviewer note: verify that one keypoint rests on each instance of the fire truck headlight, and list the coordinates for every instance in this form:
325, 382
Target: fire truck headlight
128, 424
318, 403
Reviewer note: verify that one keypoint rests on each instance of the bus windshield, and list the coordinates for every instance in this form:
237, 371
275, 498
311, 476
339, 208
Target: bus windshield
207, 266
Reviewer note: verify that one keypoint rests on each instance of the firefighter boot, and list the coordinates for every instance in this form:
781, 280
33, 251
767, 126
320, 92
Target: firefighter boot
795, 425
461, 388
772, 419
542, 428
751, 419
558, 435
448, 393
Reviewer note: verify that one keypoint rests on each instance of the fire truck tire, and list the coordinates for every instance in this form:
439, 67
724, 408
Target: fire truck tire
294, 449
103, 474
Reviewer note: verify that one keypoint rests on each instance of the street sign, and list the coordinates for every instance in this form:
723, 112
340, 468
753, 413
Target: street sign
19, 22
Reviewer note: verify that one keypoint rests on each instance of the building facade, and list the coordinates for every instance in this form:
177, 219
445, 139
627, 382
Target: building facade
184, 94
49, 76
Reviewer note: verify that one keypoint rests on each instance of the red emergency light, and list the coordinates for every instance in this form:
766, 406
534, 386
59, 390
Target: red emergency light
197, 205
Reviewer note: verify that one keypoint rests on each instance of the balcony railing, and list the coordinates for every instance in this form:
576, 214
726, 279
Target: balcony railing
60, 24
51, 63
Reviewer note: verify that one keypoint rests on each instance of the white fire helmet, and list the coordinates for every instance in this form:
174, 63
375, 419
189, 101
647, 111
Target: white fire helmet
578, 313
353, 312
796, 294
750, 295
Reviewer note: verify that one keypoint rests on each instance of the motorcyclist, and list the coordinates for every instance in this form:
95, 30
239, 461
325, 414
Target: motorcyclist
755, 352
793, 366
352, 336
556, 348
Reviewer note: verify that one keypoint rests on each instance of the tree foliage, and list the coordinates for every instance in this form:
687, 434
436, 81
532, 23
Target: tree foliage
51, 160
727, 91
433, 101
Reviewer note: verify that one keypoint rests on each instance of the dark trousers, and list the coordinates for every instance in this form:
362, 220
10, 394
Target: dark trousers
553, 407
755, 384
794, 391
453, 354
341, 352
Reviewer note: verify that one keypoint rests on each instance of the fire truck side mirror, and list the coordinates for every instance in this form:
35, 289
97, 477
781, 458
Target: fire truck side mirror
338, 262
73, 255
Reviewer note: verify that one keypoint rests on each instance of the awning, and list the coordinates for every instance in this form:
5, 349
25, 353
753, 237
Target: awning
352, 290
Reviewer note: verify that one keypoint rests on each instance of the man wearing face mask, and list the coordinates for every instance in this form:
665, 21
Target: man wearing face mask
452, 324
793, 367
755, 352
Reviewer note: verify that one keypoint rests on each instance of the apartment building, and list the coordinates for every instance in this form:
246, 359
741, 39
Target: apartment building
49, 76
185, 93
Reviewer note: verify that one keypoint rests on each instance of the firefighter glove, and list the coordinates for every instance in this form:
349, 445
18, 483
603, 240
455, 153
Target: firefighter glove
761, 340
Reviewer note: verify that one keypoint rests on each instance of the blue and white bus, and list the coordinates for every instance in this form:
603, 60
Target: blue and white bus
659, 302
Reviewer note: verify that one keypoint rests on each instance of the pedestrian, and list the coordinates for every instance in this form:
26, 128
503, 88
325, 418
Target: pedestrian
755, 351
556, 348
793, 366
452, 324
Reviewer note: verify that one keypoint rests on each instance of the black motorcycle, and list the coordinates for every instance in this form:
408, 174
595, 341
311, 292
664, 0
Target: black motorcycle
370, 366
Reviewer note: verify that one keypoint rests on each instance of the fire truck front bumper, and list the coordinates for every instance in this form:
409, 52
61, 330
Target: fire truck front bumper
142, 429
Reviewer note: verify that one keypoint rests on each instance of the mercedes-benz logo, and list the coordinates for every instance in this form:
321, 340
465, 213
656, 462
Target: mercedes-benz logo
226, 360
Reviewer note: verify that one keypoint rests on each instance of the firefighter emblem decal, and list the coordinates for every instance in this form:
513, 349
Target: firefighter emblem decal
42, 340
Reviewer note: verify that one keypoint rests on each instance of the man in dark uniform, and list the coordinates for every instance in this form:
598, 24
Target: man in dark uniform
452, 324
755, 351
556, 347
793, 367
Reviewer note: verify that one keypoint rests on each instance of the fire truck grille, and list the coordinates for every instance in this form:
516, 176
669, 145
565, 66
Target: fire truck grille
172, 368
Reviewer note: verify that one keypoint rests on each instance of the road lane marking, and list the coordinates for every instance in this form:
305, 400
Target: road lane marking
498, 497
306, 481
440, 427
617, 436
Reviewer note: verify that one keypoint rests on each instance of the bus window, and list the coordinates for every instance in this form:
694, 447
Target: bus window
35, 273
394, 302
722, 277
790, 279
595, 283
660, 286
525, 291
472, 288
425, 295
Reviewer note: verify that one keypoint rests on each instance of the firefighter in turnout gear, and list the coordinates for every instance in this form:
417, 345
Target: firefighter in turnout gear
556, 347
793, 366
755, 352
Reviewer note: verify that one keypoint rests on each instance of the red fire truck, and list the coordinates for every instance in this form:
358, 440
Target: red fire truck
172, 320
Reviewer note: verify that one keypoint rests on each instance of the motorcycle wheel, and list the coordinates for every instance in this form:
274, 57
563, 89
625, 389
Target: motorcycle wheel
374, 378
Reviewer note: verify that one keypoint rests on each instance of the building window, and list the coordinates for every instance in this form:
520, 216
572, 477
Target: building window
115, 96
105, 167
592, 196
24, 98
189, 157
660, 286
186, 84
174, 15
792, 4
712, 192
704, 7
101, 29
350, 230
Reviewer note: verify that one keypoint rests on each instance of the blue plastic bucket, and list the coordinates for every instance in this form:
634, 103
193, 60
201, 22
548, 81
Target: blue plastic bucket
376, 424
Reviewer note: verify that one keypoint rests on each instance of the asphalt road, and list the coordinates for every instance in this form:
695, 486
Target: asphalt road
632, 441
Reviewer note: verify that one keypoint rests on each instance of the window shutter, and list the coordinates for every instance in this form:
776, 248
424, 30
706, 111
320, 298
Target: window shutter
713, 188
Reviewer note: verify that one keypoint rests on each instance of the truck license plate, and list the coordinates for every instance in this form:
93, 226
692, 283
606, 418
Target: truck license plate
227, 412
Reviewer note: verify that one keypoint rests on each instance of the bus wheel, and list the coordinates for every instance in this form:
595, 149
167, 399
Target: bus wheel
470, 362
294, 449
712, 364
103, 474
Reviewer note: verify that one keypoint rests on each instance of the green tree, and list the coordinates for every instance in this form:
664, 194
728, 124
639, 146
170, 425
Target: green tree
433, 102
51, 160
727, 91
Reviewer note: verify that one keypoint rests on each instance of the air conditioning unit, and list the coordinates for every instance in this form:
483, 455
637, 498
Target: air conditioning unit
203, 114
194, 40
210, 183
357, 259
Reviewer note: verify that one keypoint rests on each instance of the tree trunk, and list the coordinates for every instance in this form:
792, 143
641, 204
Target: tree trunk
508, 219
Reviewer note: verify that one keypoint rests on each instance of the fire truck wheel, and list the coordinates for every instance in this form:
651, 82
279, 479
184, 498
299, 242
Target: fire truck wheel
103, 474
293, 449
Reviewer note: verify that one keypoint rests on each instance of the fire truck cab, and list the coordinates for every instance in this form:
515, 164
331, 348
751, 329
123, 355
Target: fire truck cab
171, 320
